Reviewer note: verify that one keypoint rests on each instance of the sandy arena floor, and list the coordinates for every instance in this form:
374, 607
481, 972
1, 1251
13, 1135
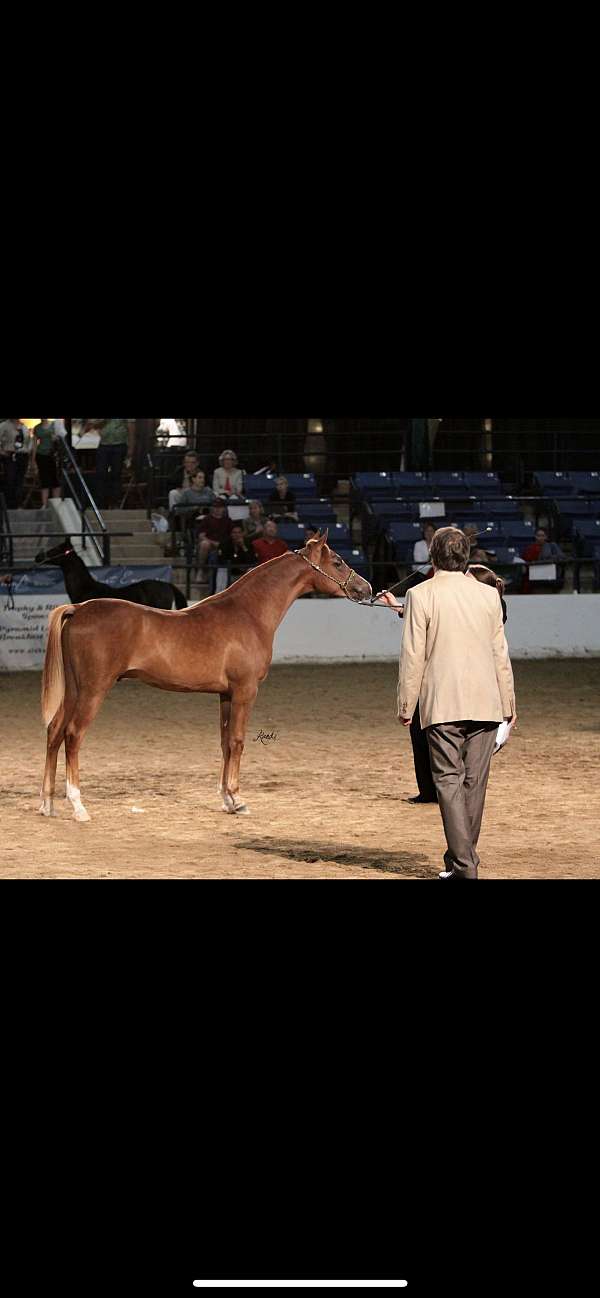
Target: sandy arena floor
326, 795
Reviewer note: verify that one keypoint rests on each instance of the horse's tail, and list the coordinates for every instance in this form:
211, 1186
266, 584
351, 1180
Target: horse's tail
180, 599
53, 678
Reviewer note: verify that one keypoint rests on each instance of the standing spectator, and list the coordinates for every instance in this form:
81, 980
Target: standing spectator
236, 551
181, 479
44, 459
254, 524
228, 480
213, 528
117, 444
15, 445
270, 545
282, 500
421, 550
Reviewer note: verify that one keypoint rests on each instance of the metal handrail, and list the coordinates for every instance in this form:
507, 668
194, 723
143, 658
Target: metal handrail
81, 483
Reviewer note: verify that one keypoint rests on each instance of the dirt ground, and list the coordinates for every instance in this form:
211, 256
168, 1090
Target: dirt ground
326, 795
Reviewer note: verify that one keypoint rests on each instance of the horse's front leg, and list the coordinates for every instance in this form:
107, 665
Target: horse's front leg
241, 707
225, 704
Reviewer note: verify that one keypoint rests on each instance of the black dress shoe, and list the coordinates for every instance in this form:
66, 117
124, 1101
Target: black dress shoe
419, 798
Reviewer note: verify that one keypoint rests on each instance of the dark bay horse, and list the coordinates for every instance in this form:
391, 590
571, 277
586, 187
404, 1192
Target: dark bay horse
222, 646
82, 586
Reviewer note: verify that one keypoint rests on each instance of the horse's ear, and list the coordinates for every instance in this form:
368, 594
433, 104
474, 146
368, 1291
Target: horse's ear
323, 537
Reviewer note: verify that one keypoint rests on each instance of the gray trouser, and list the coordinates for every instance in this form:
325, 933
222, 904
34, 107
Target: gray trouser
461, 753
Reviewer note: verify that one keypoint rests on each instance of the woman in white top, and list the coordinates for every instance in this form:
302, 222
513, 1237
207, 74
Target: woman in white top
228, 480
421, 550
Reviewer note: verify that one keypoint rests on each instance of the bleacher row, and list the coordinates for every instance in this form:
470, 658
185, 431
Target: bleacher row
310, 508
394, 507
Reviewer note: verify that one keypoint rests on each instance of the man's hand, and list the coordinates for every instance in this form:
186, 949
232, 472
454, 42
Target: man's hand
511, 721
405, 721
385, 597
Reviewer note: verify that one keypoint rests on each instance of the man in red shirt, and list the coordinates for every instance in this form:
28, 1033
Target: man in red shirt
269, 545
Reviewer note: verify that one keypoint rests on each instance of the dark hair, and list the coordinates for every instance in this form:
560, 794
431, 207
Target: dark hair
450, 550
489, 578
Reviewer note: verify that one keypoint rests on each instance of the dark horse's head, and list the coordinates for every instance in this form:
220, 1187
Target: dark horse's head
335, 577
55, 556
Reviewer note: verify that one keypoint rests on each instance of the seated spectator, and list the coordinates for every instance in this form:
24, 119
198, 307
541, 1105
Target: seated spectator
282, 500
270, 545
254, 524
421, 551
236, 550
542, 550
228, 480
181, 479
213, 529
188, 500
198, 493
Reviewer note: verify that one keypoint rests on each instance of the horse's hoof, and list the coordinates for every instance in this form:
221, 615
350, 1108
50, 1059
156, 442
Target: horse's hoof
242, 810
43, 810
82, 815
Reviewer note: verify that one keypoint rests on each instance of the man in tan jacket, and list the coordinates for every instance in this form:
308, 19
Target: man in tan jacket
454, 662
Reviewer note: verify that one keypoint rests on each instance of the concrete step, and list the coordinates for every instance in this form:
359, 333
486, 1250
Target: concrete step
137, 553
129, 514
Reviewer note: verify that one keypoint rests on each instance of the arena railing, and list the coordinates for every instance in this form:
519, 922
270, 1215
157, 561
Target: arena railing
76, 484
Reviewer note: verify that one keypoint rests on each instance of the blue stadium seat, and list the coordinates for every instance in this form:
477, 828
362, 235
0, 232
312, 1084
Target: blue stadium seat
483, 484
400, 531
374, 486
586, 484
499, 534
302, 484
355, 557
448, 484
523, 533
554, 484
411, 484
315, 510
401, 509
339, 534
505, 554
504, 507
587, 531
258, 486
292, 533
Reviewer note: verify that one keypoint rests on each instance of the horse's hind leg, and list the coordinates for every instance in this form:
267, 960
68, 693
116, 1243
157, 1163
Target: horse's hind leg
81, 720
55, 736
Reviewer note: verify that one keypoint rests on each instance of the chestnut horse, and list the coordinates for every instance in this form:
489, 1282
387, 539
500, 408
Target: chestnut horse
223, 646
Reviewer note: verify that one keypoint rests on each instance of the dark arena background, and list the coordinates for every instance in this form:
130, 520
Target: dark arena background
327, 771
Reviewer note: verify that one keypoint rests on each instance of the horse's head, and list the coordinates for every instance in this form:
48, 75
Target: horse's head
335, 576
54, 556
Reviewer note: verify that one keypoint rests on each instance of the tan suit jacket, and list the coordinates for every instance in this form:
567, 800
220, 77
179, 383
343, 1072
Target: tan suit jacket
454, 659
